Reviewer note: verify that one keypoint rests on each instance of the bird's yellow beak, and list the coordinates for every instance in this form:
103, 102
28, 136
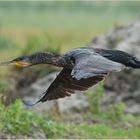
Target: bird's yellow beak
18, 64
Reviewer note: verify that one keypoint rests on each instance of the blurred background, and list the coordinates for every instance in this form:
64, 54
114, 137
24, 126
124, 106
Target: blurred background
109, 110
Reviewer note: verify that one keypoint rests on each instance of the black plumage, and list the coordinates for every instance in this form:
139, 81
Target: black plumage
82, 68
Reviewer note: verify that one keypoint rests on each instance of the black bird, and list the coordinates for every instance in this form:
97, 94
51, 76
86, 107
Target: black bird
82, 68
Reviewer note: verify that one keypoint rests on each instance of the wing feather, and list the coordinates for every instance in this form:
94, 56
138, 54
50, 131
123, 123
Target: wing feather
89, 69
65, 85
92, 65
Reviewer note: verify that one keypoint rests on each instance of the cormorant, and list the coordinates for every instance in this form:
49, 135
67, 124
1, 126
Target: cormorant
82, 68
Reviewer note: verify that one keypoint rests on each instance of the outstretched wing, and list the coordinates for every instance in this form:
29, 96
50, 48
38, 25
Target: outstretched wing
89, 69
65, 85
93, 64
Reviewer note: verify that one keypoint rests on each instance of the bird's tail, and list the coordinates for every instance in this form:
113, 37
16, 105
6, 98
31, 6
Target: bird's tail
135, 64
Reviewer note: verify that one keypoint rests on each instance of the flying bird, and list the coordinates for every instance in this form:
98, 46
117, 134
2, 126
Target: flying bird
82, 68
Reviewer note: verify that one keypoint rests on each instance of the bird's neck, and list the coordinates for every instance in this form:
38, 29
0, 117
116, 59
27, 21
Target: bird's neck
52, 59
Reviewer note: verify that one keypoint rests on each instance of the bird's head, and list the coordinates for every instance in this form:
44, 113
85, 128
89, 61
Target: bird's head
21, 61
18, 62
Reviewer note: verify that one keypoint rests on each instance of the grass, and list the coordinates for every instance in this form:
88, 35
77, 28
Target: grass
95, 98
17, 121
104, 131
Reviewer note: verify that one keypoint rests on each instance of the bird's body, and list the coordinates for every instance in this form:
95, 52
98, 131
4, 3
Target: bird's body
82, 68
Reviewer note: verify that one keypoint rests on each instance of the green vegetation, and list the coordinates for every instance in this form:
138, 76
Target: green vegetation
48, 43
17, 121
95, 98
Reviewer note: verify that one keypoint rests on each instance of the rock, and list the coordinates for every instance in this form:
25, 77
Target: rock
123, 86
76, 102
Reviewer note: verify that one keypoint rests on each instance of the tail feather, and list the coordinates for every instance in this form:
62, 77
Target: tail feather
135, 63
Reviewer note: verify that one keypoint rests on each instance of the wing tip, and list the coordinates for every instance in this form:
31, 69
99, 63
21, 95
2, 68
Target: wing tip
29, 103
